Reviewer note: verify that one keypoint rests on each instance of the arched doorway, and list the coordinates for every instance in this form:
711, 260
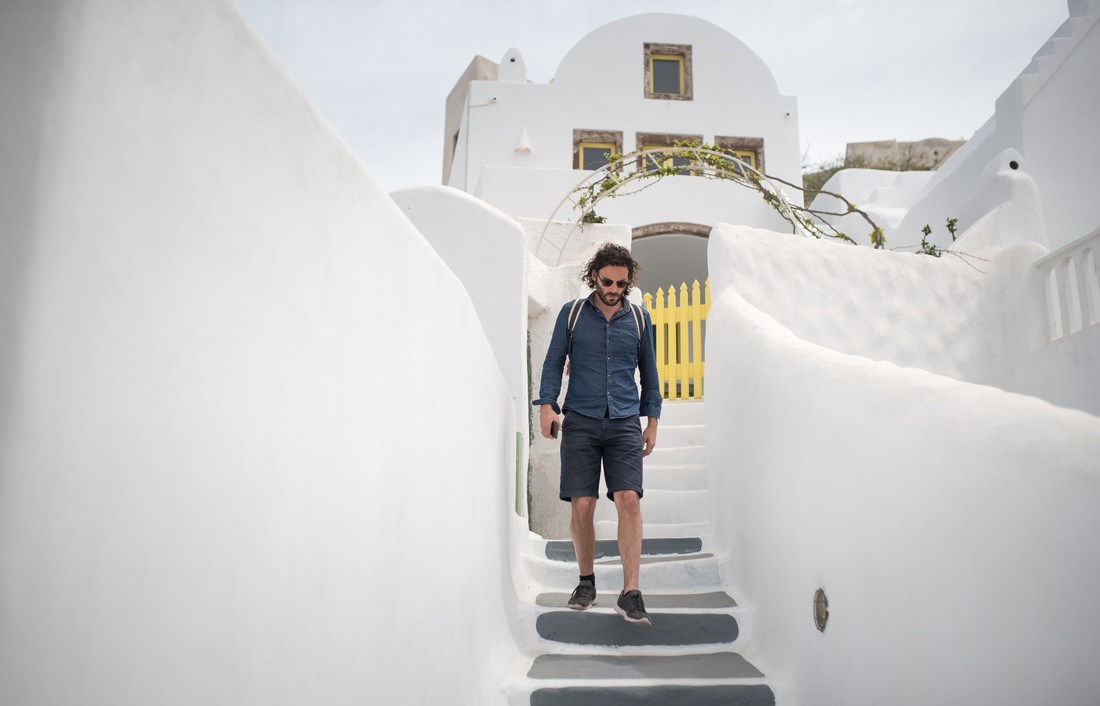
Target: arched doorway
670, 253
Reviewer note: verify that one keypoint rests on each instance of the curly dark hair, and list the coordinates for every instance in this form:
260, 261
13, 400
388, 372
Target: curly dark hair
615, 256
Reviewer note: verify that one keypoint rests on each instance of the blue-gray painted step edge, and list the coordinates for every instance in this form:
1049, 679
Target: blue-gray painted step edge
562, 550
704, 601
711, 665
610, 630
724, 695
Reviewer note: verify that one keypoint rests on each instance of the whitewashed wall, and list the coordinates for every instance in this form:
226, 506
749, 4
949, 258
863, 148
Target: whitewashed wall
952, 525
884, 195
912, 310
486, 249
231, 469
978, 313
1058, 132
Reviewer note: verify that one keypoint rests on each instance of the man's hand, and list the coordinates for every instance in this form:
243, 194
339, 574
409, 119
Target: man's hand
649, 436
546, 417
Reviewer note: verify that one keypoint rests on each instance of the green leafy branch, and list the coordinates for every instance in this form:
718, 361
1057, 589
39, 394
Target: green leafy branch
641, 169
927, 248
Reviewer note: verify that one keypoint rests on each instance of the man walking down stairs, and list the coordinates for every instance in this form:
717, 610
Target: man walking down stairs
692, 652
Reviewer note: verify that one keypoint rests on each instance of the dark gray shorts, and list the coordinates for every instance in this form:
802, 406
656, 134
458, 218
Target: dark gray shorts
586, 441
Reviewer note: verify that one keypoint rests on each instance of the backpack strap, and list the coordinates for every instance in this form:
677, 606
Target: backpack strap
574, 314
638, 321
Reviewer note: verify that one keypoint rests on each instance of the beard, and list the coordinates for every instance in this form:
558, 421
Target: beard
608, 298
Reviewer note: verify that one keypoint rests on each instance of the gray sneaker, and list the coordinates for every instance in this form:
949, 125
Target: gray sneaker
631, 607
584, 596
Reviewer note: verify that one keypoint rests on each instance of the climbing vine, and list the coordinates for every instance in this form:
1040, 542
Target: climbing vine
627, 174
636, 171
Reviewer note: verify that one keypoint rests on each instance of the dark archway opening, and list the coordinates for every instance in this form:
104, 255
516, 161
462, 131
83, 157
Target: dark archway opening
670, 253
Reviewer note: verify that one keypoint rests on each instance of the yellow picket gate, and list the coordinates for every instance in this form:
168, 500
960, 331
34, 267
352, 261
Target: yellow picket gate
678, 327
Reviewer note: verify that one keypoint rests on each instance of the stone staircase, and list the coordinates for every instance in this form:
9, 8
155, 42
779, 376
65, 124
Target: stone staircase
695, 651
1083, 14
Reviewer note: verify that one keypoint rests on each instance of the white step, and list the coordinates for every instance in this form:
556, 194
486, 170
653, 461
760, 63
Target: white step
675, 455
672, 435
681, 412
686, 477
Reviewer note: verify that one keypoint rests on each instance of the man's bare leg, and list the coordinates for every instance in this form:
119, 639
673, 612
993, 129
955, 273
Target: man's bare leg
584, 533
629, 507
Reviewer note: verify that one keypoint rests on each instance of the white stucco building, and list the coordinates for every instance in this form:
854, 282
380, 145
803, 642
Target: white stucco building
640, 82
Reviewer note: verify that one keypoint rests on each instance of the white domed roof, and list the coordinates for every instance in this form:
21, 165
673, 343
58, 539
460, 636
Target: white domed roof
722, 62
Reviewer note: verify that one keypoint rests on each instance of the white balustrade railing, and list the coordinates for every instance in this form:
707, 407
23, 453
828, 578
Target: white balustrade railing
1072, 283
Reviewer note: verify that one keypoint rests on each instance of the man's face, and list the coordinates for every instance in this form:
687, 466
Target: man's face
610, 283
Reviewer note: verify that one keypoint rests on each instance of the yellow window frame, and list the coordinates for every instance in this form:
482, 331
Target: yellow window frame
679, 59
666, 160
746, 156
607, 148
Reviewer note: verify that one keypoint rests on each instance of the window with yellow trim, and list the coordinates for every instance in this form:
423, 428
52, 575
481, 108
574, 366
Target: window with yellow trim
748, 158
593, 155
749, 150
656, 160
591, 147
666, 74
667, 71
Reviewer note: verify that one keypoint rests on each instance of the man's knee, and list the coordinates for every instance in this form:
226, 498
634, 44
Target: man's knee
628, 501
583, 506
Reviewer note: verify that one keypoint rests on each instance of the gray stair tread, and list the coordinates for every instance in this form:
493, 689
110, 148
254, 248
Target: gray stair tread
726, 694
715, 599
714, 665
562, 550
609, 629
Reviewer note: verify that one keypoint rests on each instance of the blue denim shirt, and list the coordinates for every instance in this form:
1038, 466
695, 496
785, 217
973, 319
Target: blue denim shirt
601, 368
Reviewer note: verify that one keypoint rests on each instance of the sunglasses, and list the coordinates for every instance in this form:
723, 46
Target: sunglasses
621, 284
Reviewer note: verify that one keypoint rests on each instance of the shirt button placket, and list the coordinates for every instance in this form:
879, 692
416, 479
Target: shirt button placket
607, 334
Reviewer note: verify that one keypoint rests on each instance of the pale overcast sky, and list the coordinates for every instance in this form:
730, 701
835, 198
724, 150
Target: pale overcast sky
380, 70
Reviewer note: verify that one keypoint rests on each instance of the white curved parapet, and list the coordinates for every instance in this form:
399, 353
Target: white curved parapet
951, 524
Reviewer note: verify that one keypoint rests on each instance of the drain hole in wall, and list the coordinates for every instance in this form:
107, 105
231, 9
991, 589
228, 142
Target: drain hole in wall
821, 609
